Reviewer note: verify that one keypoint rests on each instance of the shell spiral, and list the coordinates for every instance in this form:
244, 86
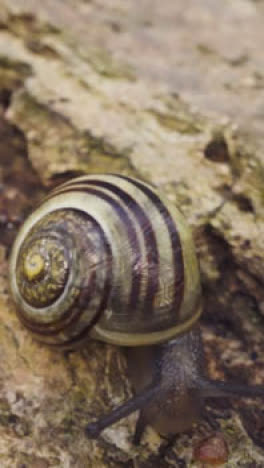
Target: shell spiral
105, 256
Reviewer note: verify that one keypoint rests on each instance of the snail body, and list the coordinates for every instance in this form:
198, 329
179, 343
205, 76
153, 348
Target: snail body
108, 257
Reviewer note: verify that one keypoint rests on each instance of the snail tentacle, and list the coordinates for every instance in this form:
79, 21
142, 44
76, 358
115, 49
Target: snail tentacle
222, 389
135, 403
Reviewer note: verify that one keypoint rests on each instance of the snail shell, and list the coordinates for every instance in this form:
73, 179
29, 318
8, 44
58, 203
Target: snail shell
105, 256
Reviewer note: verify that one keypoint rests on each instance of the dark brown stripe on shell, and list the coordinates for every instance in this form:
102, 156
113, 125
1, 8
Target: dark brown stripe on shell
131, 233
174, 239
147, 230
102, 306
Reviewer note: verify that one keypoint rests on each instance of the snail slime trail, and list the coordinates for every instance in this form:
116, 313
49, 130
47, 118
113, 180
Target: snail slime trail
108, 257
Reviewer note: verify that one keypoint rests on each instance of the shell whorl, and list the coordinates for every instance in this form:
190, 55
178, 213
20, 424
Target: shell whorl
105, 256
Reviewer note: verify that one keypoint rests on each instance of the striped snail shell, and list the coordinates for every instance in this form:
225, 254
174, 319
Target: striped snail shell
105, 256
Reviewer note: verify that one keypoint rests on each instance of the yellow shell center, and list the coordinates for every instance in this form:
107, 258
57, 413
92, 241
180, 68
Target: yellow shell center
34, 266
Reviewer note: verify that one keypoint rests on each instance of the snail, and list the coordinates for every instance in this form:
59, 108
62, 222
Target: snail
108, 257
